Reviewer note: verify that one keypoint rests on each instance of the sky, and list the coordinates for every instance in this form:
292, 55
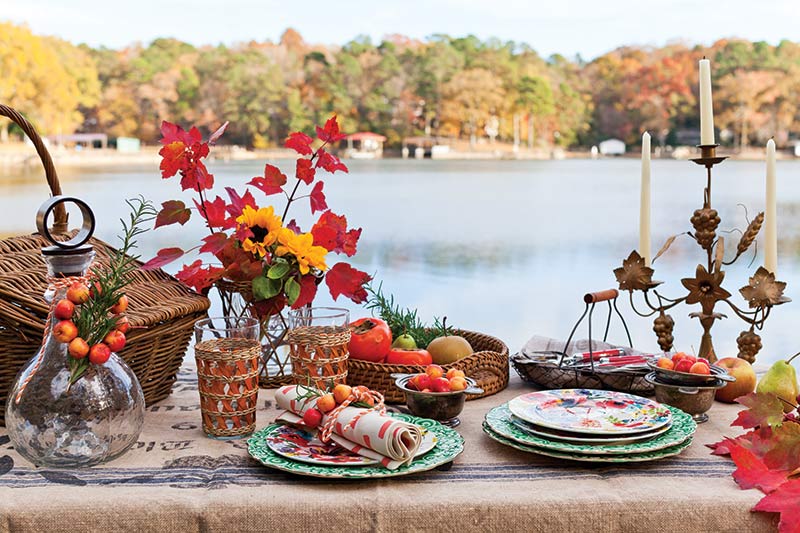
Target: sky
568, 27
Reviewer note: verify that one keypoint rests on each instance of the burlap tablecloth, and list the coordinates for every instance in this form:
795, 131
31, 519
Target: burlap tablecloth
176, 479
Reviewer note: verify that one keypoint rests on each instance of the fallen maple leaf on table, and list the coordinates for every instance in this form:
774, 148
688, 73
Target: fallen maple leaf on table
786, 501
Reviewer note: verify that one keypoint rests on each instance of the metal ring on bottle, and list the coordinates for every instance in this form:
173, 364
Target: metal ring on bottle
87, 224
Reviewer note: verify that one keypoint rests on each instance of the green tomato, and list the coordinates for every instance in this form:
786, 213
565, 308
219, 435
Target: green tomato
405, 342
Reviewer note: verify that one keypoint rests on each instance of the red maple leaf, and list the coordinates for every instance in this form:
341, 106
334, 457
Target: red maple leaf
215, 213
163, 257
308, 290
723, 447
173, 159
196, 177
346, 280
292, 225
786, 501
765, 409
317, 198
172, 211
329, 162
198, 276
751, 472
239, 202
270, 306
330, 133
299, 142
784, 447
272, 182
305, 171
331, 233
215, 243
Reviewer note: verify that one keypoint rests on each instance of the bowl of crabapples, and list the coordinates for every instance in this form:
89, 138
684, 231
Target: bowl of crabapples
436, 393
684, 369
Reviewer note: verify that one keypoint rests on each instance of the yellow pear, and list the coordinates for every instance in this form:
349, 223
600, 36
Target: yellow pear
781, 380
449, 349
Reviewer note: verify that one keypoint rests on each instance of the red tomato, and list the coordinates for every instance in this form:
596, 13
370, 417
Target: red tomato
370, 339
409, 357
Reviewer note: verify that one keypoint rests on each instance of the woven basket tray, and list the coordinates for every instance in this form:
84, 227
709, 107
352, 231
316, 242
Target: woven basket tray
162, 311
488, 366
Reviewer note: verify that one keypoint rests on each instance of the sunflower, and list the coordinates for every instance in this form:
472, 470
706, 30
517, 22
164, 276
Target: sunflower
264, 224
302, 248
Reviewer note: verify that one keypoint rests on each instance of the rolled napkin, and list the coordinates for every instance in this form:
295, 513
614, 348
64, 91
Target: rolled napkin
363, 431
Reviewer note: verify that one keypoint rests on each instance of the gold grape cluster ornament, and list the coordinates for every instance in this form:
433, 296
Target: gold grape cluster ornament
762, 292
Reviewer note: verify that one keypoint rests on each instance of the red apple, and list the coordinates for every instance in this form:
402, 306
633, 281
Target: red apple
120, 306
115, 340
684, 365
745, 379
458, 383
78, 293
700, 368
420, 382
65, 331
78, 348
64, 309
122, 324
440, 384
99, 354
312, 418
434, 371
665, 363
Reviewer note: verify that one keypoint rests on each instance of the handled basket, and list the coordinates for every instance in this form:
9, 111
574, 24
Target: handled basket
488, 366
162, 311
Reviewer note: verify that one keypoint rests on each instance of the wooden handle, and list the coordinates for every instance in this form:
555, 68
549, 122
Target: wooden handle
60, 213
602, 296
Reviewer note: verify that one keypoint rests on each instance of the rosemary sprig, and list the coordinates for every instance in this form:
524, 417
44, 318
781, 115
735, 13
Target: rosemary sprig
402, 320
93, 318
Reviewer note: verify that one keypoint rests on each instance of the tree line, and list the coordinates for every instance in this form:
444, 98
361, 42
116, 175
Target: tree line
457, 87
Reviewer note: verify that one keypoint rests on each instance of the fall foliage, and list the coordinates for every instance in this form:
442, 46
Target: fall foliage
445, 86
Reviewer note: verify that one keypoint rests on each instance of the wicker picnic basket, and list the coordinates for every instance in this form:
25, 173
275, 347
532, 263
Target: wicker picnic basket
488, 366
162, 310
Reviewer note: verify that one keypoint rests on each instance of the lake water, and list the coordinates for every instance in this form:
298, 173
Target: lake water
502, 247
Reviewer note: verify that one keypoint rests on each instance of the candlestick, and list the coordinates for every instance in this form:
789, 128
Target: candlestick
644, 204
770, 220
706, 107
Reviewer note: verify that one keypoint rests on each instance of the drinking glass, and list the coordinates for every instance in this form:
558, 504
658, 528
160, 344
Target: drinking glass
318, 339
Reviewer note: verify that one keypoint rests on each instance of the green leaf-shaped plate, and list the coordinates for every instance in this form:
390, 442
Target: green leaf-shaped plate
683, 427
449, 445
630, 458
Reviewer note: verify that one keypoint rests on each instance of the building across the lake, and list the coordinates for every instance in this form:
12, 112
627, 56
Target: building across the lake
612, 147
364, 145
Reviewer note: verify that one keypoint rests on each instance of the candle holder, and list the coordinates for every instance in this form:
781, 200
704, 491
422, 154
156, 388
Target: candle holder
762, 292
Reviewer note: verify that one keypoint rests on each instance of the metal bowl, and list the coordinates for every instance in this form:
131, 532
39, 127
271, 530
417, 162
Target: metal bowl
442, 406
687, 378
692, 399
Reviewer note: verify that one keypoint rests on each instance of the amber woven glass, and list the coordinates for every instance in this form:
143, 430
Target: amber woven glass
318, 343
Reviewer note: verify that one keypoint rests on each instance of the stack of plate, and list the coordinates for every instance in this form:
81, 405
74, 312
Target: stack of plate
591, 425
299, 451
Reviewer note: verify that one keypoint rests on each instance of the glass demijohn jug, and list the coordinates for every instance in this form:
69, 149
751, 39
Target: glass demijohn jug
95, 419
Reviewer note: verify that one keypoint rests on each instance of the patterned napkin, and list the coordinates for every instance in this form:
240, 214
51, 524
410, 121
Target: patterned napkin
381, 437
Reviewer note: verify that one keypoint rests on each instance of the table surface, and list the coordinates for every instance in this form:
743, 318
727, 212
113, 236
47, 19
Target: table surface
177, 479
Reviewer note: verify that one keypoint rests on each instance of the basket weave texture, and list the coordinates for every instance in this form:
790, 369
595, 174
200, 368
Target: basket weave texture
227, 379
162, 311
488, 365
319, 354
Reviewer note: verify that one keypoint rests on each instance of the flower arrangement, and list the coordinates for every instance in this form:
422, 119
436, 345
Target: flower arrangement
255, 244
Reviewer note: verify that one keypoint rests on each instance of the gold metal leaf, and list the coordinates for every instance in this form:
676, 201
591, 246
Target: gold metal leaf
666, 246
762, 290
633, 275
705, 288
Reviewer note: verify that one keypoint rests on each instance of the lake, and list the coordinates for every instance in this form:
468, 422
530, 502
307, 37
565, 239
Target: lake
502, 247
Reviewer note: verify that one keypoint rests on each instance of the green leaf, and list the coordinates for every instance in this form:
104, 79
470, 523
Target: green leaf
278, 270
264, 288
292, 290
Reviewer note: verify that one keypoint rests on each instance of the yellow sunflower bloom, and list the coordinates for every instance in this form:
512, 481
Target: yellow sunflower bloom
302, 248
264, 224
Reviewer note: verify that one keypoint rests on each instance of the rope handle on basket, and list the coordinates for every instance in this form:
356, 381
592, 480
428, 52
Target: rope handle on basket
356, 395
54, 284
61, 217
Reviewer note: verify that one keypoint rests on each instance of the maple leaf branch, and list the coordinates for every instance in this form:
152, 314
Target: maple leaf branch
297, 184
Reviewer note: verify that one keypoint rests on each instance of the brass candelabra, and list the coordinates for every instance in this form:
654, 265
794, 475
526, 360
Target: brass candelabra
762, 292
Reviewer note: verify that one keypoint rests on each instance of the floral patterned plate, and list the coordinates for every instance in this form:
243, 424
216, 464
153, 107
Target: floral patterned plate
304, 446
627, 458
449, 444
582, 438
598, 412
683, 427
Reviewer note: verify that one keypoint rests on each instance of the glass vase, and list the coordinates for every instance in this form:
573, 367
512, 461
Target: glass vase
237, 301
96, 419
